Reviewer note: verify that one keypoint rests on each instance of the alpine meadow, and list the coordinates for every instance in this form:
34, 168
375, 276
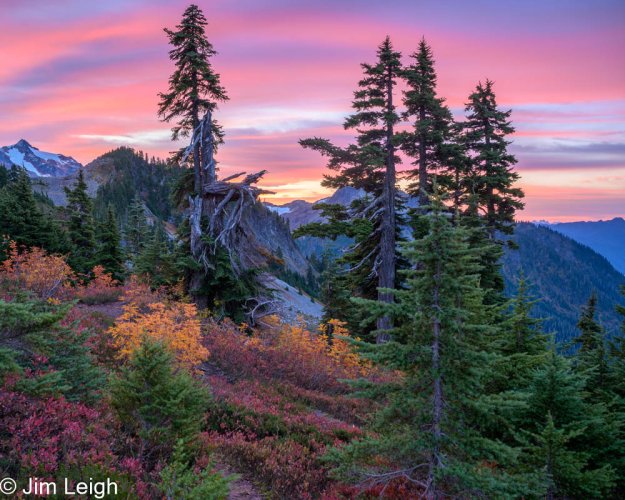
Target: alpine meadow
312, 250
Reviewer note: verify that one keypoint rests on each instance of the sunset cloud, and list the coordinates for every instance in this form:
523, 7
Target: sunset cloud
82, 77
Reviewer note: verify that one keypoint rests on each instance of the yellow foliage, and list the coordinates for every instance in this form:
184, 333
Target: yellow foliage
310, 346
175, 324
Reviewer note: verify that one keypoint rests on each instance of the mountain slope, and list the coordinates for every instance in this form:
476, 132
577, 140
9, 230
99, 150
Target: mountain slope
606, 237
38, 163
562, 271
563, 274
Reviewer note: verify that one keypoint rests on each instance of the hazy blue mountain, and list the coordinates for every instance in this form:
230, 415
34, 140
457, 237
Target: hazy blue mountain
563, 273
606, 237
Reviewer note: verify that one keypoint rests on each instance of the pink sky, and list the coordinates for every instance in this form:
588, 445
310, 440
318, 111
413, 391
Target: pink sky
80, 79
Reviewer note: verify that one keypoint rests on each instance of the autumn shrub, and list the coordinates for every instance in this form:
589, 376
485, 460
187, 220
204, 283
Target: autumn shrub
100, 342
255, 408
34, 270
287, 352
41, 435
287, 468
175, 324
101, 289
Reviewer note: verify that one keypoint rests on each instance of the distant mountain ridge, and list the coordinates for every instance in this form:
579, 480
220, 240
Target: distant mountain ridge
300, 212
562, 271
38, 163
606, 237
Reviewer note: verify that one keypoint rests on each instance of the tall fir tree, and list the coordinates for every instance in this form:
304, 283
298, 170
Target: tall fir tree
194, 88
81, 226
491, 178
110, 254
490, 198
428, 142
430, 424
370, 164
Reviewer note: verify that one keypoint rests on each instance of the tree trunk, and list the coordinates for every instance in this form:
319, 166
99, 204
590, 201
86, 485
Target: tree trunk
437, 389
197, 165
423, 170
386, 273
490, 208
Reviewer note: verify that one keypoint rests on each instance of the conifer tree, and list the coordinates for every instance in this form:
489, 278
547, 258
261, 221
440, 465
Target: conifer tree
110, 253
591, 356
156, 260
564, 436
81, 226
370, 165
22, 219
156, 403
491, 179
137, 230
430, 426
179, 479
71, 370
428, 142
520, 341
194, 88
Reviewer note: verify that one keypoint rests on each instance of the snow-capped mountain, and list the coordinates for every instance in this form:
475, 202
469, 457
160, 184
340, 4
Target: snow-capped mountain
37, 163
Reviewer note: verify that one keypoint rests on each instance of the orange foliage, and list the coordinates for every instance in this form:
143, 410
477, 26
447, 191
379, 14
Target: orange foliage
174, 323
47, 276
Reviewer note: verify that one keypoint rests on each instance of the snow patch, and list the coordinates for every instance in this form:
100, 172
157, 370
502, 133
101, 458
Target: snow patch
17, 158
279, 210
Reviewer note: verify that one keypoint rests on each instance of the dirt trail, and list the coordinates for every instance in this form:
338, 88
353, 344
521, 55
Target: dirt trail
240, 488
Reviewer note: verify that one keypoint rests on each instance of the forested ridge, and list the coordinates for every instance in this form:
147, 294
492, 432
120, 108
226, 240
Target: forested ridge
140, 341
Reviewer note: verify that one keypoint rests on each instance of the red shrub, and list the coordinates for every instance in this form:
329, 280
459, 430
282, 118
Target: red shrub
46, 434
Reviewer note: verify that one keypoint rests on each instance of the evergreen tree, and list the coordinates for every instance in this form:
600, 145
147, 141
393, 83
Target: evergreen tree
369, 165
110, 253
491, 179
489, 197
179, 480
69, 368
617, 391
194, 88
4, 175
520, 341
564, 435
137, 231
157, 403
81, 226
430, 424
591, 358
21, 218
428, 141
156, 260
